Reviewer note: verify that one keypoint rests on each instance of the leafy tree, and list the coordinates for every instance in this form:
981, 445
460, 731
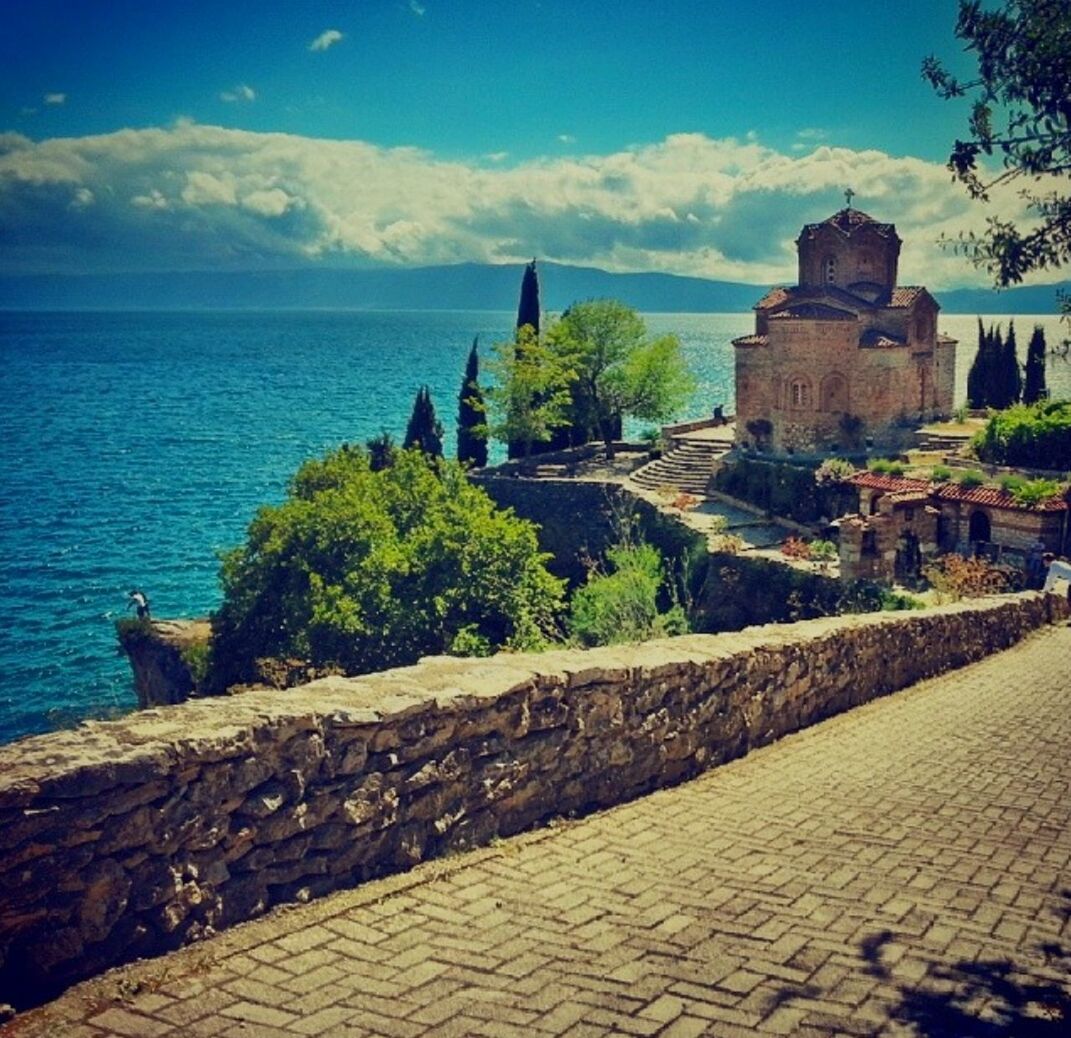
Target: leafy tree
362, 570
424, 430
1021, 113
381, 451
1034, 383
471, 430
619, 370
1033, 436
622, 604
528, 307
529, 397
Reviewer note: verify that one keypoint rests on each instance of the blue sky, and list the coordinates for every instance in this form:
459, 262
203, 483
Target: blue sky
681, 136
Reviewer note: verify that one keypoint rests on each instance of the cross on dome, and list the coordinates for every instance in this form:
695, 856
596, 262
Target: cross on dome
849, 194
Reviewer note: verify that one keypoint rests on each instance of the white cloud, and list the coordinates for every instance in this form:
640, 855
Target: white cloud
241, 92
55, 99
326, 39
193, 195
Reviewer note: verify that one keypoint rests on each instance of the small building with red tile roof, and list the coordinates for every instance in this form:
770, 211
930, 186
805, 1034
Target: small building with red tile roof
847, 356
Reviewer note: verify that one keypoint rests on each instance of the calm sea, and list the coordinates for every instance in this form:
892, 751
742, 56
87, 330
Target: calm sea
138, 445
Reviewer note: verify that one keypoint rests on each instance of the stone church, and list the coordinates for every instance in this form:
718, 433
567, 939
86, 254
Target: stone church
847, 358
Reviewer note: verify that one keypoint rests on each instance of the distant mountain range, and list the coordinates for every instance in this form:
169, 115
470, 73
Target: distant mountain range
465, 286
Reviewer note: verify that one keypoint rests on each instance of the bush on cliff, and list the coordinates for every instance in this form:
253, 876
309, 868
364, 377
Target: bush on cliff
1032, 435
362, 570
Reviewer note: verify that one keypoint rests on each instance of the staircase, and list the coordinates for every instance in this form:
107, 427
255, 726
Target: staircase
686, 467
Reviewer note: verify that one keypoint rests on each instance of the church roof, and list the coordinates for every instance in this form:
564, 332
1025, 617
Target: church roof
775, 297
875, 338
848, 220
904, 296
751, 340
807, 311
947, 339
822, 295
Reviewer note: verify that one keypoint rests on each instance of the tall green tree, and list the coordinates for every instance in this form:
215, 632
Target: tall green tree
364, 570
471, 421
977, 391
619, 370
1034, 384
381, 451
529, 395
995, 376
1011, 373
528, 306
1021, 115
424, 431
527, 337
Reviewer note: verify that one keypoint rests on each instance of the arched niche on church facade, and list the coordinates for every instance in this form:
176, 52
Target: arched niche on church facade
799, 394
833, 393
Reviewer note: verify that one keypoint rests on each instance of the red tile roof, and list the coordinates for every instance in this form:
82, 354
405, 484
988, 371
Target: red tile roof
889, 484
751, 340
905, 295
994, 497
989, 497
848, 220
775, 297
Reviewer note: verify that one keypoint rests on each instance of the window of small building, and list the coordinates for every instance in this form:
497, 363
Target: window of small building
831, 269
870, 543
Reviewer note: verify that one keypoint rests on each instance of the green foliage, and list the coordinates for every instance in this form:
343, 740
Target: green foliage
381, 451
424, 431
897, 601
995, 379
784, 489
529, 397
361, 570
471, 430
1034, 383
622, 604
962, 413
970, 479
833, 471
198, 659
618, 370
1031, 435
941, 474
1020, 112
823, 551
1031, 492
886, 466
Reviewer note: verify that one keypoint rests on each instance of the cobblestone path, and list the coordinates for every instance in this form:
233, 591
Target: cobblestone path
900, 869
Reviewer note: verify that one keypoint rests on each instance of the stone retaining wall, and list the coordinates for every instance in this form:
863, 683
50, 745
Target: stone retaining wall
125, 838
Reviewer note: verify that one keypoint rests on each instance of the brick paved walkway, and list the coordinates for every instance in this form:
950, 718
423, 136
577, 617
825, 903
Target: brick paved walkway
902, 869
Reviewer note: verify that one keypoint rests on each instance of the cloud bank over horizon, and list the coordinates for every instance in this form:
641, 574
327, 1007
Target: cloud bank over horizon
193, 196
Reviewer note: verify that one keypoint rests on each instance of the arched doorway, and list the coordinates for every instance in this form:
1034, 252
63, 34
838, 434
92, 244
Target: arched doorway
980, 528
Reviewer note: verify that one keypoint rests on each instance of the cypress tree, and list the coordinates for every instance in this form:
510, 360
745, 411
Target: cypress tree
1034, 386
527, 314
976, 378
381, 451
528, 308
424, 430
994, 377
1010, 370
471, 448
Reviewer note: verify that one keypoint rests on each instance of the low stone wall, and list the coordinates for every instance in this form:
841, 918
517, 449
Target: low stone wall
125, 838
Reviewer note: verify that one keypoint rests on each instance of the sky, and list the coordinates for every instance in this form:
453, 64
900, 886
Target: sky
678, 136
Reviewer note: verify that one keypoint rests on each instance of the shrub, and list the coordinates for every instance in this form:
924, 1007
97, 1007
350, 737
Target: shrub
897, 601
622, 605
941, 474
1032, 492
886, 466
833, 471
1032, 435
970, 479
795, 548
954, 577
823, 551
684, 501
361, 570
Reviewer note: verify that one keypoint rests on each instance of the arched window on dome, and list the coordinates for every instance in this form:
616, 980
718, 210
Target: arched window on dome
830, 268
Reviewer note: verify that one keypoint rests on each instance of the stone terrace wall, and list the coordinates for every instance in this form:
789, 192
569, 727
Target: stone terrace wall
125, 838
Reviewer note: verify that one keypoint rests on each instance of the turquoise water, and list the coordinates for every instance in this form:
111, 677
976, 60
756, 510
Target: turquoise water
138, 445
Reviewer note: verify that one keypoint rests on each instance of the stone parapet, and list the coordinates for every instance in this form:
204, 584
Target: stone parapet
130, 837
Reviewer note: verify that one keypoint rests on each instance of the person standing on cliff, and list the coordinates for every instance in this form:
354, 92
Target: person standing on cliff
139, 602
